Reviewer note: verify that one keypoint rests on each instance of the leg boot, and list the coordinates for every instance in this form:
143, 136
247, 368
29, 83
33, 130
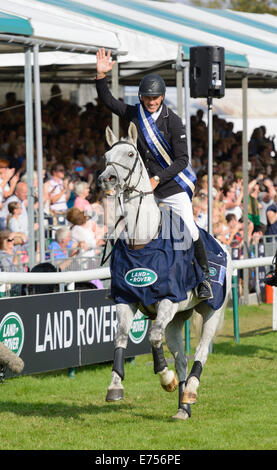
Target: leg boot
204, 289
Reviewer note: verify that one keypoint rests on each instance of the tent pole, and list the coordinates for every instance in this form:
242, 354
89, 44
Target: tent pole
245, 184
179, 84
210, 165
187, 107
115, 119
39, 152
29, 153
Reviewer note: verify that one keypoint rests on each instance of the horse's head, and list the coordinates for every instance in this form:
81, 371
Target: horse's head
121, 161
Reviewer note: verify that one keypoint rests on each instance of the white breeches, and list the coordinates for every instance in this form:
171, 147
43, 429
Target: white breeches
180, 203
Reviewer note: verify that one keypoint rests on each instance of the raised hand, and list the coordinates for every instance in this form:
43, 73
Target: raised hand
104, 64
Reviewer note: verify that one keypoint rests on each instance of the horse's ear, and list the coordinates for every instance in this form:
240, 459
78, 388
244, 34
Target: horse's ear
110, 137
133, 133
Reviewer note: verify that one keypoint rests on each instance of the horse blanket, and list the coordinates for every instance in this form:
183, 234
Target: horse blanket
162, 270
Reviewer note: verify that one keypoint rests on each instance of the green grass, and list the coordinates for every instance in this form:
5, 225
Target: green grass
236, 406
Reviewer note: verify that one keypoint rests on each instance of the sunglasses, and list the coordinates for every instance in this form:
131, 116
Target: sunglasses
10, 239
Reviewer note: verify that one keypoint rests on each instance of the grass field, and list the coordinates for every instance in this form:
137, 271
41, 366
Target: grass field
236, 408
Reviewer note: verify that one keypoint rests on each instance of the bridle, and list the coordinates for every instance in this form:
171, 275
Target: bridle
127, 179
126, 189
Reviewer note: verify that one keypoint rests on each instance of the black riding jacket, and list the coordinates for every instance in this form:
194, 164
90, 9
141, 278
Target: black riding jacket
173, 130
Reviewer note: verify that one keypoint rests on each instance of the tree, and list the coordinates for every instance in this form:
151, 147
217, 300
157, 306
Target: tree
251, 6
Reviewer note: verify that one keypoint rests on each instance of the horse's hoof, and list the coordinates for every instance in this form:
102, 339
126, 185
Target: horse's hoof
115, 394
189, 398
171, 387
181, 415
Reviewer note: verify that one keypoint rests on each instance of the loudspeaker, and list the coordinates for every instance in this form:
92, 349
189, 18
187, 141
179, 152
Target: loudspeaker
207, 72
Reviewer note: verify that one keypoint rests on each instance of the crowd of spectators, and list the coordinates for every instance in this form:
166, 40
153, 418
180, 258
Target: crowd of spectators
73, 146
228, 196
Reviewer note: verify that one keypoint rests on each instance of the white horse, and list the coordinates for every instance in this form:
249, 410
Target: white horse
126, 178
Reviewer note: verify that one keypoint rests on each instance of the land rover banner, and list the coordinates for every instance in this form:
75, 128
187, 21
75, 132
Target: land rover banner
61, 330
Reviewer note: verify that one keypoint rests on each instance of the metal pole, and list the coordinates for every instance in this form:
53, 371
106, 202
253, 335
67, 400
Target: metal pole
245, 184
39, 152
187, 337
235, 305
29, 153
115, 118
187, 108
210, 166
179, 86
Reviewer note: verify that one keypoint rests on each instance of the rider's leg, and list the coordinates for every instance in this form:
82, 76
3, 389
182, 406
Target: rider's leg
181, 204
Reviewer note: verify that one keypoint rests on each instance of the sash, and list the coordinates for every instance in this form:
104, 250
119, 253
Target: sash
162, 151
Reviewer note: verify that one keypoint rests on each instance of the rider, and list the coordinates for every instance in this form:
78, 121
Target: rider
172, 183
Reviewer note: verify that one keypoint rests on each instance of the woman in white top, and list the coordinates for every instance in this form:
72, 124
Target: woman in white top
83, 230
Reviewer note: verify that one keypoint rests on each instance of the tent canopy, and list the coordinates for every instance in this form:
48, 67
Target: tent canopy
146, 35
249, 40
54, 29
14, 24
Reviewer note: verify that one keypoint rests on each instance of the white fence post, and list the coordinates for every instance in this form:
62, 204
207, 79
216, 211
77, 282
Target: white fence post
274, 309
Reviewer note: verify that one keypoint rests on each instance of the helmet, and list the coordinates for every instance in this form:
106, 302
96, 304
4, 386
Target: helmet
152, 85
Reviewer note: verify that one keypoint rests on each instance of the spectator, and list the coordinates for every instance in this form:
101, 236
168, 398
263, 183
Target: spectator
200, 212
81, 189
15, 222
271, 214
232, 201
59, 189
20, 196
63, 248
9, 260
83, 231
254, 207
266, 198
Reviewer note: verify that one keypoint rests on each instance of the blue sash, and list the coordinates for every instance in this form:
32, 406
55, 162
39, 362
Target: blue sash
162, 151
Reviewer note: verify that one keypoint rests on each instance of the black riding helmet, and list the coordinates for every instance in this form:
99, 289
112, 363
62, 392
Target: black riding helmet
152, 85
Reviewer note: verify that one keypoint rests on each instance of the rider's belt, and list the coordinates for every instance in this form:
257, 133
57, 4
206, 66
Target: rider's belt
162, 151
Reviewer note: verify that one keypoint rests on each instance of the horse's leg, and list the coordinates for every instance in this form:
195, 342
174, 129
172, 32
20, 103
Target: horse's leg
167, 377
211, 320
125, 314
175, 343
165, 312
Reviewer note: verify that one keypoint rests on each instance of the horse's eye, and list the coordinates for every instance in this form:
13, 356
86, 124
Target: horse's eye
130, 154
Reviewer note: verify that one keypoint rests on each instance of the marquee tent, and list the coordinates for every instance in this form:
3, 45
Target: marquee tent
143, 35
249, 42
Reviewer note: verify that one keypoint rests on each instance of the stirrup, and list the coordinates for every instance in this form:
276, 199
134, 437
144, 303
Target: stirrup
204, 290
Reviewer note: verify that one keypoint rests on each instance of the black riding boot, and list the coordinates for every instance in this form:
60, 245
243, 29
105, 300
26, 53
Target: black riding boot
204, 289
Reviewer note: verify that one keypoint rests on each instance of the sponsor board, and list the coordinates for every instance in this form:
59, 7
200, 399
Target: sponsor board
62, 330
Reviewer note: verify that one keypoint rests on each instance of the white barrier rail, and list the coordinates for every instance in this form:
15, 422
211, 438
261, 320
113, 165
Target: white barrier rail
70, 277
252, 262
99, 273
54, 278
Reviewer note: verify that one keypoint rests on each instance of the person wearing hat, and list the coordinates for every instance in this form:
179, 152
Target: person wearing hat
162, 145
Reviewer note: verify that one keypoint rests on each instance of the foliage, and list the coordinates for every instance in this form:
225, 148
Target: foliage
251, 6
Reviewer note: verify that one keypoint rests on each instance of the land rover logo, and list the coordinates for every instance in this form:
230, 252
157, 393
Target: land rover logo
140, 277
212, 271
139, 328
12, 332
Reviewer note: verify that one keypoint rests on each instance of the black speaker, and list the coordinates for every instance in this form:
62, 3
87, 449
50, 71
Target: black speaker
207, 72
